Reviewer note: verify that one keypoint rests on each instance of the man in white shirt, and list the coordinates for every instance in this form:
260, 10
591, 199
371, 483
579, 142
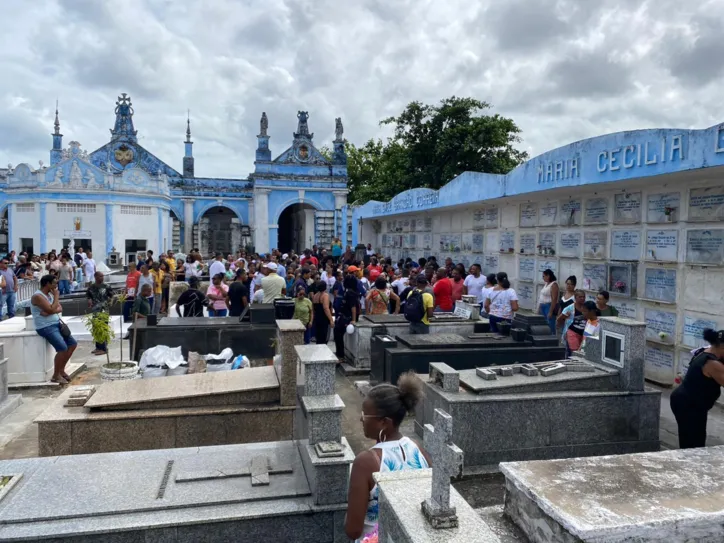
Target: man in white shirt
217, 266
474, 283
89, 267
273, 285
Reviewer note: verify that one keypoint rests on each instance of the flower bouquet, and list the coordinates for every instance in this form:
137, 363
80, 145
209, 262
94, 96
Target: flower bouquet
620, 286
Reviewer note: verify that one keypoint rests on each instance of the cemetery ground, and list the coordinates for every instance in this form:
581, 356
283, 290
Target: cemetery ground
19, 436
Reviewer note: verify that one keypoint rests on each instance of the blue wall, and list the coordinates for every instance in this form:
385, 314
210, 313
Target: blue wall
596, 161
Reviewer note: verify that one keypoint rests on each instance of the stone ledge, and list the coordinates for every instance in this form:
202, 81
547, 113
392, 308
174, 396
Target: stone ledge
314, 404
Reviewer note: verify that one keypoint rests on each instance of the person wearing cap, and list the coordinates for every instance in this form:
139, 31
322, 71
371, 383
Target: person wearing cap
701, 388
273, 285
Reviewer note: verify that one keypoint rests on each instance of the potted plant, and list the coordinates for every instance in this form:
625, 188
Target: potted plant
99, 326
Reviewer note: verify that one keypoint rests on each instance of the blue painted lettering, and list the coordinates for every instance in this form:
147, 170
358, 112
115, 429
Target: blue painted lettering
626, 163
648, 161
613, 161
602, 161
558, 170
677, 144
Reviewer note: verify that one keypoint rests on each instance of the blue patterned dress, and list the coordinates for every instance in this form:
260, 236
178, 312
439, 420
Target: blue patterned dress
398, 455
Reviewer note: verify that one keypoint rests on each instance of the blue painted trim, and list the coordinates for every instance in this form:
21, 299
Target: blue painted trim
213, 204
109, 228
151, 200
297, 200
43, 229
594, 162
160, 232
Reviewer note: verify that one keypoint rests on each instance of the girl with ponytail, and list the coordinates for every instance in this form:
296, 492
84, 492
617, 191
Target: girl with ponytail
383, 410
701, 388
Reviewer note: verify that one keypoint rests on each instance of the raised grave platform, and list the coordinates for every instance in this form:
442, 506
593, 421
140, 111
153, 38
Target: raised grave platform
416, 352
558, 409
243, 493
240, 406
672, 496
206, 335
357, 346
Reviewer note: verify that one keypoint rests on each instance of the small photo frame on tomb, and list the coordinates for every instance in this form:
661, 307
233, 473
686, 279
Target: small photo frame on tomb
613, 348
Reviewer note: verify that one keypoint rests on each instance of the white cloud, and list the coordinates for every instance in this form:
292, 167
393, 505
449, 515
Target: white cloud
562, 69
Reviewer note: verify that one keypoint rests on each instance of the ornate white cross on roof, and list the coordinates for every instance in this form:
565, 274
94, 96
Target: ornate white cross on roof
447, 461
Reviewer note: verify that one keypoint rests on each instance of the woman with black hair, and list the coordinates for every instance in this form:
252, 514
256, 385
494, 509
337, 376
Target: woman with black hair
548, 299
502, 302
383, 410
701, 388
349, 311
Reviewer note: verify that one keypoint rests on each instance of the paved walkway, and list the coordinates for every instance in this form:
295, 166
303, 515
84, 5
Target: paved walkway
19, 436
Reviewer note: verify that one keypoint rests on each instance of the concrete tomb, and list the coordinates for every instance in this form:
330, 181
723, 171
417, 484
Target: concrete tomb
8, 402
249, 493
558, 409
239, 406
415, 352
673, 496
209, 335
357, 346
420, 506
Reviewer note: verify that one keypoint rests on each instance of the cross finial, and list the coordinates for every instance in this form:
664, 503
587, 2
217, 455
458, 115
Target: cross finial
447, 461
57, 121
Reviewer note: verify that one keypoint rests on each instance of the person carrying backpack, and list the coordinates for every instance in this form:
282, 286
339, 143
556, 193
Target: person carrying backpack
419, 307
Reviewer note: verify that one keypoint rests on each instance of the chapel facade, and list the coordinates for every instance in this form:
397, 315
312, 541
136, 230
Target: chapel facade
122, 198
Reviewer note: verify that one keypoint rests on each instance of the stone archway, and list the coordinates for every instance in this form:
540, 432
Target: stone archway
218, 230
296, 228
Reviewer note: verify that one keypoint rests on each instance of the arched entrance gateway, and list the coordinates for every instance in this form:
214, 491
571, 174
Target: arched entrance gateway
296, 228
215, 230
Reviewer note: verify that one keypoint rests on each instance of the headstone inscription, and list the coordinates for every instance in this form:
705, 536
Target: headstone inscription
571, 213
526, 269
596, 211
490, 264
627, 309
548, 214
544, 265
594, 277
547, 243
659, 364
694, 328
527, 244
447, 461
662, 245
660, 325
706, 204
627, 208
491, 217
528, 215
526, 295
478, 243
663, 207
625, 245
570, 245
594, 244
507, 241
705, 246
660, 285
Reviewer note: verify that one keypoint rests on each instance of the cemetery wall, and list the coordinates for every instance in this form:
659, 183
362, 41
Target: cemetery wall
653, 238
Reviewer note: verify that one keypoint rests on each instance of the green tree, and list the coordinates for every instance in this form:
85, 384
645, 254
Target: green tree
431, 145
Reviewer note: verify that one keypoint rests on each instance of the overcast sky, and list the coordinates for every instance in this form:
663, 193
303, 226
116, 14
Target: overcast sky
563, 70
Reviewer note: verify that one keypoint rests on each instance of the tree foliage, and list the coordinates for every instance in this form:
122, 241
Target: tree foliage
431, 145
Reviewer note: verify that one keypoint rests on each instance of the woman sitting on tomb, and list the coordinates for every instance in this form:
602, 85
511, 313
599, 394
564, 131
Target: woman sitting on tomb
699, 391
383, 410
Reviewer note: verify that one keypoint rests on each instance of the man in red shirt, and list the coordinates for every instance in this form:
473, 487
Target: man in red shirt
457, 285
375, 269
443, 291
308, 259
131, 288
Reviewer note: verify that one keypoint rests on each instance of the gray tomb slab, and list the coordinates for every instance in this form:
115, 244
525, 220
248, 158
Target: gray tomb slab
440, 341
705, 246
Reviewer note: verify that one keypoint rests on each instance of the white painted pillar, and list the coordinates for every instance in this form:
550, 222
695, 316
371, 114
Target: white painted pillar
310, 237
188, 224
260, 223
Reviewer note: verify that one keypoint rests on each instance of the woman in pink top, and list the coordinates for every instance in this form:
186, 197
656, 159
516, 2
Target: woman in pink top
217, 293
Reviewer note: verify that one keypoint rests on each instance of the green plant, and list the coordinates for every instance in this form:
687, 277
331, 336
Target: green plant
120, 299
99, 326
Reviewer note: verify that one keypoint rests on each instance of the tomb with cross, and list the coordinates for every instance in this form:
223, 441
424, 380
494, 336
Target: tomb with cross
447, 462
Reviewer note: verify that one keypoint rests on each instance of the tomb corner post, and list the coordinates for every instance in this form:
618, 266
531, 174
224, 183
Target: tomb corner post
623, 346
289, 334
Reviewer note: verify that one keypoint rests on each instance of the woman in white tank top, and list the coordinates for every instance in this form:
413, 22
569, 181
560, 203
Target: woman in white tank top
383, 410
548, 299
